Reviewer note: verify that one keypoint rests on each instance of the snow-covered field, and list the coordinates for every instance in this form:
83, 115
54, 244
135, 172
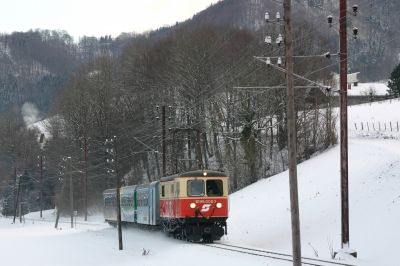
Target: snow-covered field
259, 215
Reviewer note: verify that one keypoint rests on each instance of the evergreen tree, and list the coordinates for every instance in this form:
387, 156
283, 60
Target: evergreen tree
394, 82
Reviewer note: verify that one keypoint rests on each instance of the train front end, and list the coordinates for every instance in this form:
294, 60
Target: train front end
194, 205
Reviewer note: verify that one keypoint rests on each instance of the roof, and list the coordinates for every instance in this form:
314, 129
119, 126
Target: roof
196, 173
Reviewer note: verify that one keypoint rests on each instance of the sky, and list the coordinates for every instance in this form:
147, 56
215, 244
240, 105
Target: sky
96, 17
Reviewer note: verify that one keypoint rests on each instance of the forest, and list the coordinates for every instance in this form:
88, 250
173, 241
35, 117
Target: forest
172, 100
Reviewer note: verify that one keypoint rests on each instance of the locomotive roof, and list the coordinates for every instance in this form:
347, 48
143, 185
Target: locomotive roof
196, 173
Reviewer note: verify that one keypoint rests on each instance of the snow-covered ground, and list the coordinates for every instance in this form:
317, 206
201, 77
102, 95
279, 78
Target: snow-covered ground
259, 215
365, 89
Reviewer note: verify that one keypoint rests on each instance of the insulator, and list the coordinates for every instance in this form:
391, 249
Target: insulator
279, 40
157, 117
278, 16
268, 40
157, 107
279, 61
327, 55
355, 32
266, 17
355, 10
268, 61
330, 20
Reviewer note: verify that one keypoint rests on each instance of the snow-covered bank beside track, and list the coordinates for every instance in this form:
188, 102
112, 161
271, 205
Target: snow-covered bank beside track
259, 216
38, 243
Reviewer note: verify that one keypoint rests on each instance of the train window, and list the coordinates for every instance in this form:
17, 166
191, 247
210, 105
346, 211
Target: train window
195, 187
214, 188
162, 191
172, 189
177, 188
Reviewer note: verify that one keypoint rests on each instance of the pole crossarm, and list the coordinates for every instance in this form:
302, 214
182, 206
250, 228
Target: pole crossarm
176, 129
275, 87
144, 144
324, 55
322, 86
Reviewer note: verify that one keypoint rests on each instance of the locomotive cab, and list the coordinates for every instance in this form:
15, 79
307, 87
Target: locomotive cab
194, 205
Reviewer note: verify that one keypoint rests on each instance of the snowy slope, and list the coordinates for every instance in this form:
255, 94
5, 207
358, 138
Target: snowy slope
259, 215
364, 89
374, 180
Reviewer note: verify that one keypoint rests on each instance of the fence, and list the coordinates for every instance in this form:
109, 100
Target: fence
377, 126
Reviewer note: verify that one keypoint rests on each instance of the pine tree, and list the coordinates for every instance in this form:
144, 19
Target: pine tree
394, 82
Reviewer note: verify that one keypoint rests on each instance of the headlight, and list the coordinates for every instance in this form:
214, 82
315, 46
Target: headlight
219, 205
192, 205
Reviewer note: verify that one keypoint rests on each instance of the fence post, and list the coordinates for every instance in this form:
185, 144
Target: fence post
379, 126
362, 126
373, 125
391, 126
355, 125
367, 125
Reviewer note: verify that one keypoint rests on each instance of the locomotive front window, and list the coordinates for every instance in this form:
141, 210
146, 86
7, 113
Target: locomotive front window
214, 188
195, 188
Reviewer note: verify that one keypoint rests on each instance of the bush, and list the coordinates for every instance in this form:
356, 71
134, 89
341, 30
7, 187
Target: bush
394, 82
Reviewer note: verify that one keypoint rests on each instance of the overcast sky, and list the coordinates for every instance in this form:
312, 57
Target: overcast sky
96, 17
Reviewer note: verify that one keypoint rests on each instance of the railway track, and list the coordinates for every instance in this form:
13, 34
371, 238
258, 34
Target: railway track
276, 255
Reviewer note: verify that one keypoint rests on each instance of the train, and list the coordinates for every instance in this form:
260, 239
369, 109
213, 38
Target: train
192, 206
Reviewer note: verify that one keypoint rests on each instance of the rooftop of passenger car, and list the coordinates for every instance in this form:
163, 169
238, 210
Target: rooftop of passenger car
196, 173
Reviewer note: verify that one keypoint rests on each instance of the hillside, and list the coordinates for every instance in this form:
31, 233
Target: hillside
374, 53
259, 216
36, 64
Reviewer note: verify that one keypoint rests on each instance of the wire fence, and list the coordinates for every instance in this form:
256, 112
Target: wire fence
390, 126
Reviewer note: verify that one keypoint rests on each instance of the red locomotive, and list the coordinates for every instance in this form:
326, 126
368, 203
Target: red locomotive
191, 205
194, 205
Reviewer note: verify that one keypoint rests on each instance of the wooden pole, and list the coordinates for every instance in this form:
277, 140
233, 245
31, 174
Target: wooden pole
294, 204
85, 197
343, 124
71, 192
17, 198
41, 186
164, 148
118, 193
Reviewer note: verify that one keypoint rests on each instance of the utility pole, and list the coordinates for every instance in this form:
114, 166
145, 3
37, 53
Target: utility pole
41, 176
163, 136
58, 198
17, 199
15, 190
71, 192
189, 143
114, 160
85, 155
41, 185
164, 149
343, 124
294, 203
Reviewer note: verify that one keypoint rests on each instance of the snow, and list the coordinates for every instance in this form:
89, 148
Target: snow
364, 89
259, 215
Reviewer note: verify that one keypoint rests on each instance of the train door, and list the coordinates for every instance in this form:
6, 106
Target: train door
150, 205
135, 205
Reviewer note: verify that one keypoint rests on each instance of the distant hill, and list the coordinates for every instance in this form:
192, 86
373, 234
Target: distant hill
374, 53
34, 65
